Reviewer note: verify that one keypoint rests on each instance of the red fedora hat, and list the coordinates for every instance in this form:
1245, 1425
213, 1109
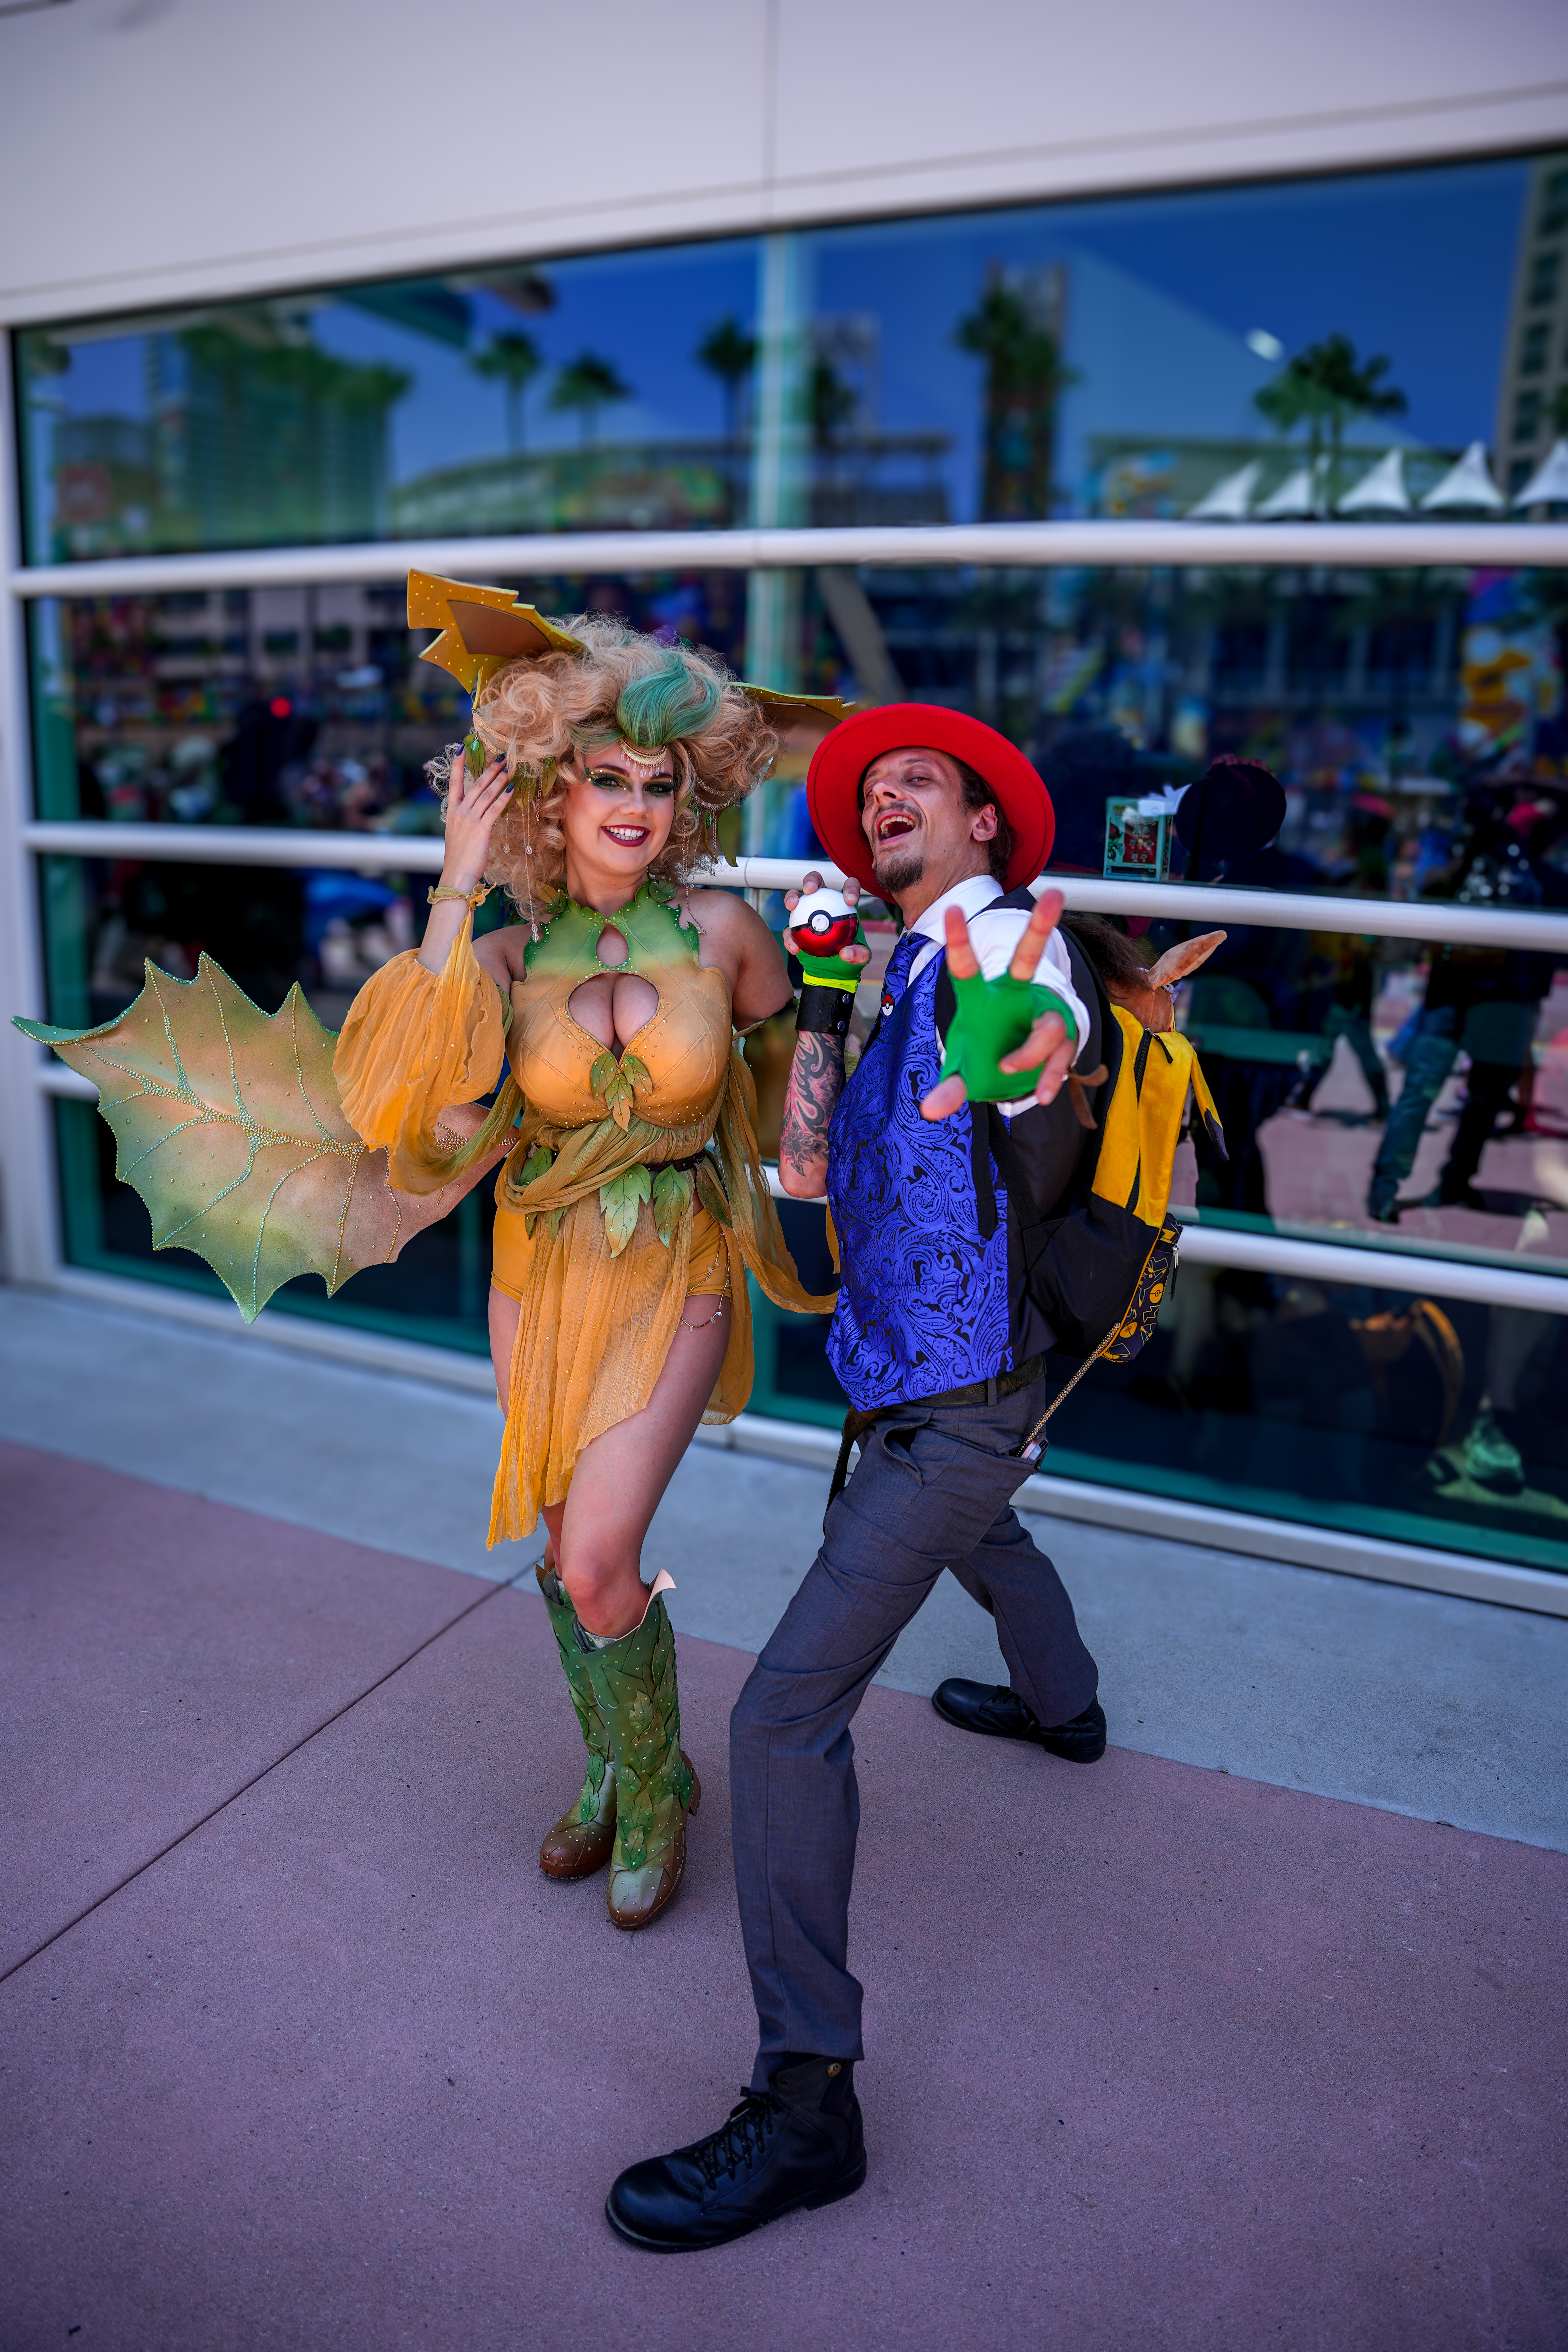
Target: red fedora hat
843, 756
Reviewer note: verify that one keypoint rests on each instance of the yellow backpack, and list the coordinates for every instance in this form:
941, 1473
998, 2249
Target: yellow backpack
1099, 1270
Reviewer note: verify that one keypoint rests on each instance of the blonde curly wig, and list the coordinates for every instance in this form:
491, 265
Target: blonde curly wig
535, 714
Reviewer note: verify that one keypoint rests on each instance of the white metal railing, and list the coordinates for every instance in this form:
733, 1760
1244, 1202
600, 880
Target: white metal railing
1006, 545
1293, 1253
1023, 545
392, 853
1371, 1267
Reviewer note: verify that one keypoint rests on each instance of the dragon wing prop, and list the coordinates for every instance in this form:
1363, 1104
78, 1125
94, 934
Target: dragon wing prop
228, 1125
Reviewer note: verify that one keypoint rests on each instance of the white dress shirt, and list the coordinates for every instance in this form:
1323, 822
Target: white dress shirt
993, 937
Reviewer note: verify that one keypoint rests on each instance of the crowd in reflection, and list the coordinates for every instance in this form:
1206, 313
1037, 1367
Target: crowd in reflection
1360, 1082
1451, 1044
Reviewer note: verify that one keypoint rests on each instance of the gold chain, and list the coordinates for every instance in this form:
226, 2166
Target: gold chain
646, 763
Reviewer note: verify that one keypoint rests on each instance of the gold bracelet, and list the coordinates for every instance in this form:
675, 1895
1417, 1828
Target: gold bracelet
469, 898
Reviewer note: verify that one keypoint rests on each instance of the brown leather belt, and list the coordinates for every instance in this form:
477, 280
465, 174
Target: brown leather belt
988, 1392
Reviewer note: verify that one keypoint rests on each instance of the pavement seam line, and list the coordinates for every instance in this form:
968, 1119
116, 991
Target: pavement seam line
509, 1585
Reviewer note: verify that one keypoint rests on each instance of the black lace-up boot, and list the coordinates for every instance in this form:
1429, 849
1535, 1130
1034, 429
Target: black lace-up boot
797, 2143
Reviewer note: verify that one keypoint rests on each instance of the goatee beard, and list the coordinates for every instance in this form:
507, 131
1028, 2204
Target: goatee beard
898, 868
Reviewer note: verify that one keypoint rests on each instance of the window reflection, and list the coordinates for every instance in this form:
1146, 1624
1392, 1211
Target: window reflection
438, 1291
1429, 1420
1386, 344
1360, 1082
1383, 703
1343, 1097
1397, 1414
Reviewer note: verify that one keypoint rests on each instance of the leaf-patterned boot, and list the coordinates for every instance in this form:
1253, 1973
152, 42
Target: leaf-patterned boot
655, 1788
579, 1844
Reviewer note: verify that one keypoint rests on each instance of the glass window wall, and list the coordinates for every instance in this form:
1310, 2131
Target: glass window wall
1269, 349
1410, 1093
1300, 349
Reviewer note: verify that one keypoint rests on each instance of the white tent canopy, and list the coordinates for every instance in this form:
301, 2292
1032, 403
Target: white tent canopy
1231, 499
1297, 495
1548, 486
1467, 485
1380, 490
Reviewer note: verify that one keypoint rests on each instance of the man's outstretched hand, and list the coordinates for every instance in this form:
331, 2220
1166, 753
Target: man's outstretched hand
1012, 1040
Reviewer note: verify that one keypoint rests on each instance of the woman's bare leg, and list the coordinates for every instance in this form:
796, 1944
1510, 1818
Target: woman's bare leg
504, 1316
597, 1533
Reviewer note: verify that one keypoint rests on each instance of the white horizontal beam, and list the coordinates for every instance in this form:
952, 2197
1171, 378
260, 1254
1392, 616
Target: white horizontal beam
1005, 545
56, 1078
1314, 1261
1386, 919
1381, 918
1371, 1268
240, 845
1295, 1544
1291, 1541
391, 853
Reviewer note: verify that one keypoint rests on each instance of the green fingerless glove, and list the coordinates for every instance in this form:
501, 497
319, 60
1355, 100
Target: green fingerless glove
993, 1019
832, 972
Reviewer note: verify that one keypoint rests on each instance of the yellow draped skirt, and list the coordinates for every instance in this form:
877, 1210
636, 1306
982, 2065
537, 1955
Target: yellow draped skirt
594, 1325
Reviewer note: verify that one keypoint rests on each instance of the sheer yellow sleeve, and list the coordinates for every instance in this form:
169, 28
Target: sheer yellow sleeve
414, 1042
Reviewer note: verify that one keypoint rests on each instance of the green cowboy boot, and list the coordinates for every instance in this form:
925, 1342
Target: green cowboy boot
655, 1788
579, 1842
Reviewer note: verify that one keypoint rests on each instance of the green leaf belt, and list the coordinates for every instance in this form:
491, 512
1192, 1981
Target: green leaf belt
669, 1186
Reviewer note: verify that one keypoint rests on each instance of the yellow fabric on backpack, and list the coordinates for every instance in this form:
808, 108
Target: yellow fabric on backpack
1144, 1118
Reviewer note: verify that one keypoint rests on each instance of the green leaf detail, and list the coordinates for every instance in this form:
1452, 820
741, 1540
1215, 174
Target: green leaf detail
619, 1201
540, 1160
229, 1126
711, 1191
616, 1082
671, 1198
474, 755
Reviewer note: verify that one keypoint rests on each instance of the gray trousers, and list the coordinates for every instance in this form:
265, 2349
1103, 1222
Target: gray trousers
932, 1489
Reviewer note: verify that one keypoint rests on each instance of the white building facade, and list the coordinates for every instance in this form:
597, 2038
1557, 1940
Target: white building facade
966, 316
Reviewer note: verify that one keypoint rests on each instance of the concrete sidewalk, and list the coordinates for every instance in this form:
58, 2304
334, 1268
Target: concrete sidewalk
1452, 1710
300, 2048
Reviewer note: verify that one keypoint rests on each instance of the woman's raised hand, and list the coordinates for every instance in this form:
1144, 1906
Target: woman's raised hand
473, 805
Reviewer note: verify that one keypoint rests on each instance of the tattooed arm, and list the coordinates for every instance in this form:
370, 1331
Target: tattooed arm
815, 1083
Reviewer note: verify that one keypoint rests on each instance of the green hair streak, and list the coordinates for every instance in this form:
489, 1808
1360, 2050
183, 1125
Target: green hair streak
669, 702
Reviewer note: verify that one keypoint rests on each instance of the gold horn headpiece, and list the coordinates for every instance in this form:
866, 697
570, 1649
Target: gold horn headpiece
484, 628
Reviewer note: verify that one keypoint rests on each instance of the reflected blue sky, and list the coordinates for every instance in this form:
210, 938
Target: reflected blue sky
1160, 294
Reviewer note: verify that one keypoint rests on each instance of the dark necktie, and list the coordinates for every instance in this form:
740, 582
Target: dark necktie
897, 977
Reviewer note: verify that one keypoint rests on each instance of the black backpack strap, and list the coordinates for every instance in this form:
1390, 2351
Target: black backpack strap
1005, 1152
946, 1004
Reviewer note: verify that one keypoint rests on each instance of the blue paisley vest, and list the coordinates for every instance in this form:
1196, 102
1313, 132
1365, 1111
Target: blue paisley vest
923, 1298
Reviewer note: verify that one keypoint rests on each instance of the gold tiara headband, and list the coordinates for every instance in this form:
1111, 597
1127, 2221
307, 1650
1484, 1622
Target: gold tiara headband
646, 763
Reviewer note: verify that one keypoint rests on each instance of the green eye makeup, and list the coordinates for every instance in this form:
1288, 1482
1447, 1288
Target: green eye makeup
609, 780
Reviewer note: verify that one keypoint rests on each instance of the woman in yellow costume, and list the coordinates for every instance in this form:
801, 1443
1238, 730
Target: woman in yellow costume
631, 1203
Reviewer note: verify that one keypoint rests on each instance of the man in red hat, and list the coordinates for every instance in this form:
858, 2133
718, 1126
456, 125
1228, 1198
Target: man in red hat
941, 1156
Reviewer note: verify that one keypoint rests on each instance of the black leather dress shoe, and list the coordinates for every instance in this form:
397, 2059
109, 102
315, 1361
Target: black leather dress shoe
781, 2150
1001, 1714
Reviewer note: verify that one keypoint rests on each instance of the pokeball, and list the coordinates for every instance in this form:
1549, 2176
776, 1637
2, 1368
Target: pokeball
824, 924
